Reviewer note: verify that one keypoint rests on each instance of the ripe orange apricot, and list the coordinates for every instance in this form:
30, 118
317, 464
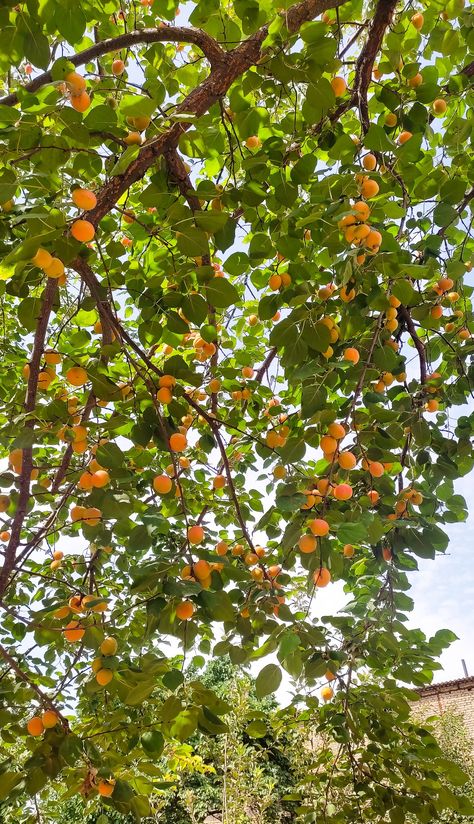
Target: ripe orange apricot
347, 460
307, 543
106, 787
336, 430
369, 188
363, 210
118, 67
322, 577
376, 469
185, 610
55, 268
439, 105
108, 646
373, 495
140, 122
347, 295
319, 527
195, 534
369, 162
201, 570
35, 726
348, 551
339, 86
351, 355
328, 444
342, 492
274, 282
100, 478
162, 484
104, 676
253, 142
83, 230
416, 80
42, 258
391, 120
84, 199
76, 376
74, 631
167, 380
164, 395
327, 693
222, 548
219, 482
51, 357
403, 137
5, 535
387, 554
49, 719
178, 442
133, 139
80, 102
418, 20
76, 83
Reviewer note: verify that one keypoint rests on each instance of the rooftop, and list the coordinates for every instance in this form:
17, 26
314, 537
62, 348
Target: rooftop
448, 686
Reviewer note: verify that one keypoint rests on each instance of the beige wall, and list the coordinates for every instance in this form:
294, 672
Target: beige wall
457, 697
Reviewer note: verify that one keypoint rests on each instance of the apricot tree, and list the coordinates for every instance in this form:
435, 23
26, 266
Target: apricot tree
236, 338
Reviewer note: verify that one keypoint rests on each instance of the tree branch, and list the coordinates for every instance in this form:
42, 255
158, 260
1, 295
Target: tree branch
27, 460
365, 63
174, 34
26, 680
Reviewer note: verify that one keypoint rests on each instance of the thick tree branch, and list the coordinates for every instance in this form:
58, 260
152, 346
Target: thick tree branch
27, 459
164, 34
365, 63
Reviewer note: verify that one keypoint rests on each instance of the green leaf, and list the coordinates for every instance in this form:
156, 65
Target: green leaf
313, 398
377, 139
221, 293
219, 605
130, 154
195, 308
256, 729
37, 48
192, 241
268, 680
152, 742
135, 105
110, 456
444, 214
8, 780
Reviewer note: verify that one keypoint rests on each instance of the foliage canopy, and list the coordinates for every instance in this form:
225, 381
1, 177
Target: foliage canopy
236, 336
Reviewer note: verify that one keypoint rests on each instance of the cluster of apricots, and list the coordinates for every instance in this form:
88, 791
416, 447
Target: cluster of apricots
355, 226
39, 723
74, 88
103, 673
53, 267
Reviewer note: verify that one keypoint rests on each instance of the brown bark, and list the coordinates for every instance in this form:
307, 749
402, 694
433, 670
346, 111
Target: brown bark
27, 461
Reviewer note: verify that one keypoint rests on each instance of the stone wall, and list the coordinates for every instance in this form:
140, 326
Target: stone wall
455, 696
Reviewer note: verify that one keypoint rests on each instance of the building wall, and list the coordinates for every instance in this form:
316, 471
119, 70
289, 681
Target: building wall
456, 696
